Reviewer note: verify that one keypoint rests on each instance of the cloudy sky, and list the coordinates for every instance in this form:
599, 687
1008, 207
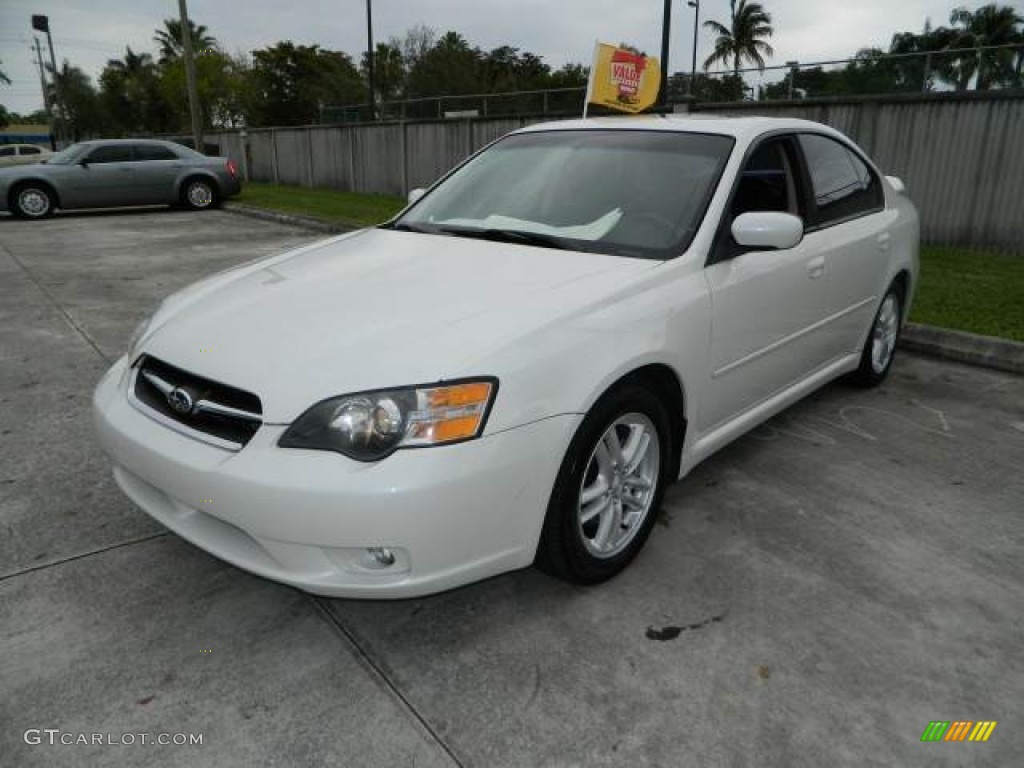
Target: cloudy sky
88, 32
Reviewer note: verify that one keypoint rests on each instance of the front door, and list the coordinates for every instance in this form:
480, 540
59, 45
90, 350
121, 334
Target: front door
104, 177
768, 307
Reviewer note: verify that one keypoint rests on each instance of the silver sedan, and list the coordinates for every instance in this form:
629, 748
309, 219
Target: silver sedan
118, 172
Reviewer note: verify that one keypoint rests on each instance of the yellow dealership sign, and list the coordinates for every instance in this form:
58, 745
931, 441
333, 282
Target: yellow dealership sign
623, 80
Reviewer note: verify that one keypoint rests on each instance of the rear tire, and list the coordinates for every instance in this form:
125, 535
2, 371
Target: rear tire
32, 201
609, 488
880, 348
199, 194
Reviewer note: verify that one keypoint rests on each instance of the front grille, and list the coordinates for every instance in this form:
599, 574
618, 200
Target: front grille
227, 413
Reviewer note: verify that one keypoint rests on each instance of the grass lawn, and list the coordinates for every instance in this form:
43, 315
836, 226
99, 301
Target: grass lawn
348, 208
960, 288
971, 290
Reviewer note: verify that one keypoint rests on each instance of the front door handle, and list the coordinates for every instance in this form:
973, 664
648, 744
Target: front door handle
816, 267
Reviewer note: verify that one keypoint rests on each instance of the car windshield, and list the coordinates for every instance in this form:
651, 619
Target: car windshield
624, 192
66, 156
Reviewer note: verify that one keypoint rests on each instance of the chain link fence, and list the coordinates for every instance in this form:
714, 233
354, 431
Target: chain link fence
871, 73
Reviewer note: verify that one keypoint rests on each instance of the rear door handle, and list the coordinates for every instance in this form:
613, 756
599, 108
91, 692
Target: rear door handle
883, 241
816, 267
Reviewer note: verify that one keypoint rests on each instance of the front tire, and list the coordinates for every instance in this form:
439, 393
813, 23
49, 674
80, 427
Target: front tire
880, 348
199, 194
32, 201
609, 488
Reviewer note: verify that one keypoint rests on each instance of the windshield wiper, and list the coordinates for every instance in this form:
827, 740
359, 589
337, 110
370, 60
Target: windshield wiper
410, 228
508, 236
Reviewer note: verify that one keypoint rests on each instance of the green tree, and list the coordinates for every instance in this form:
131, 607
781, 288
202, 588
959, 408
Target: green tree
170, 42
5, 116
221, 82
744, 37
388, 70
990, 25
450, 67
130, 94
506, 69
289, 83
80, 113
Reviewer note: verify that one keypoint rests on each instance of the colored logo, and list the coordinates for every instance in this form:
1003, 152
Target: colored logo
958, 730
622, 79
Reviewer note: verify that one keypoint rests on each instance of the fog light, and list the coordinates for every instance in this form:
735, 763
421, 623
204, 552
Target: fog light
382, 556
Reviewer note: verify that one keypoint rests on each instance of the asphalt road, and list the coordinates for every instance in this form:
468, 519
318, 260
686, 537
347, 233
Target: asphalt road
814, 595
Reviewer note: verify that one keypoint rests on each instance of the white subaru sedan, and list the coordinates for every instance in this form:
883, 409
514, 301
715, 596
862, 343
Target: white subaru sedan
512, 370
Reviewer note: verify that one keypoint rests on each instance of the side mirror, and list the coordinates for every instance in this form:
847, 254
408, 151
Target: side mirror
416, 194
897, 183
768, 229
84, 163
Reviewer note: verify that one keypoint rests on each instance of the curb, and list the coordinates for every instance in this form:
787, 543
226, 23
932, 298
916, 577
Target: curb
958, 346
962, 347
292, 219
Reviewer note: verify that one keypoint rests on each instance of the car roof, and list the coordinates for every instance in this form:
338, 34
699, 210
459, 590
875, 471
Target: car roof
741, 128
115, 142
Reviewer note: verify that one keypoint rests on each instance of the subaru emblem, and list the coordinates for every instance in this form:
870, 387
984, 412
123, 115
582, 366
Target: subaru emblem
180, 401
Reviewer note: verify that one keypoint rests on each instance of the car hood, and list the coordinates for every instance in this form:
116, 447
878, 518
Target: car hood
377, 308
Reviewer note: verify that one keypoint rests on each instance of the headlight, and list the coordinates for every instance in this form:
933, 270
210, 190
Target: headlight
372, 425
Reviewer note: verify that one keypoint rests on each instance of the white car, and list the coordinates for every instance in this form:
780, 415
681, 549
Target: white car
514, 368
23, 154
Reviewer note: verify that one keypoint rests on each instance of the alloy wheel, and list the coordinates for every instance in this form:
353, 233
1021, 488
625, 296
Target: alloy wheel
619, 484
883, 336
33, 202
200, 195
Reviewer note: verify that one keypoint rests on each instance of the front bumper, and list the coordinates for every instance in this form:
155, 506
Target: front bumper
451, 515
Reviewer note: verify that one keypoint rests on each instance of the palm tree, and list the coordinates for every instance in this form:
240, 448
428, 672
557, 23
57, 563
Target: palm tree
169, 39
744, 38
4, 78
990, 25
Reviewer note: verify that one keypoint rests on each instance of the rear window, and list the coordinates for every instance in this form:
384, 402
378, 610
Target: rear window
153, 152
844, 187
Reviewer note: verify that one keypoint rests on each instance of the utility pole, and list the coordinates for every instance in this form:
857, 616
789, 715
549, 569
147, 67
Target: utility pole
666, 27
190, 78
695, 4
369, 58
46, 95
42, 24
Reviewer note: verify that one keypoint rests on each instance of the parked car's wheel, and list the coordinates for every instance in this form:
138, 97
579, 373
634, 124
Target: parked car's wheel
880, 347
609, 488
199, 194
32, 201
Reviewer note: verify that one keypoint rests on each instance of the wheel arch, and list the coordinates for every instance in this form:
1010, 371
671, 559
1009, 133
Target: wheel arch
669, 387
194, 173
903, 281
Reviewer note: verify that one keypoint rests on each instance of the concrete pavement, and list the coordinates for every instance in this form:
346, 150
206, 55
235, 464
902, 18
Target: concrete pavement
815, 594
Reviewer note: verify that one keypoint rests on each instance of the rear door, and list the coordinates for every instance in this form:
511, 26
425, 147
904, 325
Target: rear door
156, 169
849, 207
767, 305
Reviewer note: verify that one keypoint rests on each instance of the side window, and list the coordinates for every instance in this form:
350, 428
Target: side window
115, 153
153, 152
31, 151
767, 182
7, 151
844, 187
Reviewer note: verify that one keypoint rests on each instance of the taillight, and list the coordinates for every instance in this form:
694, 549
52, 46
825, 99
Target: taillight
232, 168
